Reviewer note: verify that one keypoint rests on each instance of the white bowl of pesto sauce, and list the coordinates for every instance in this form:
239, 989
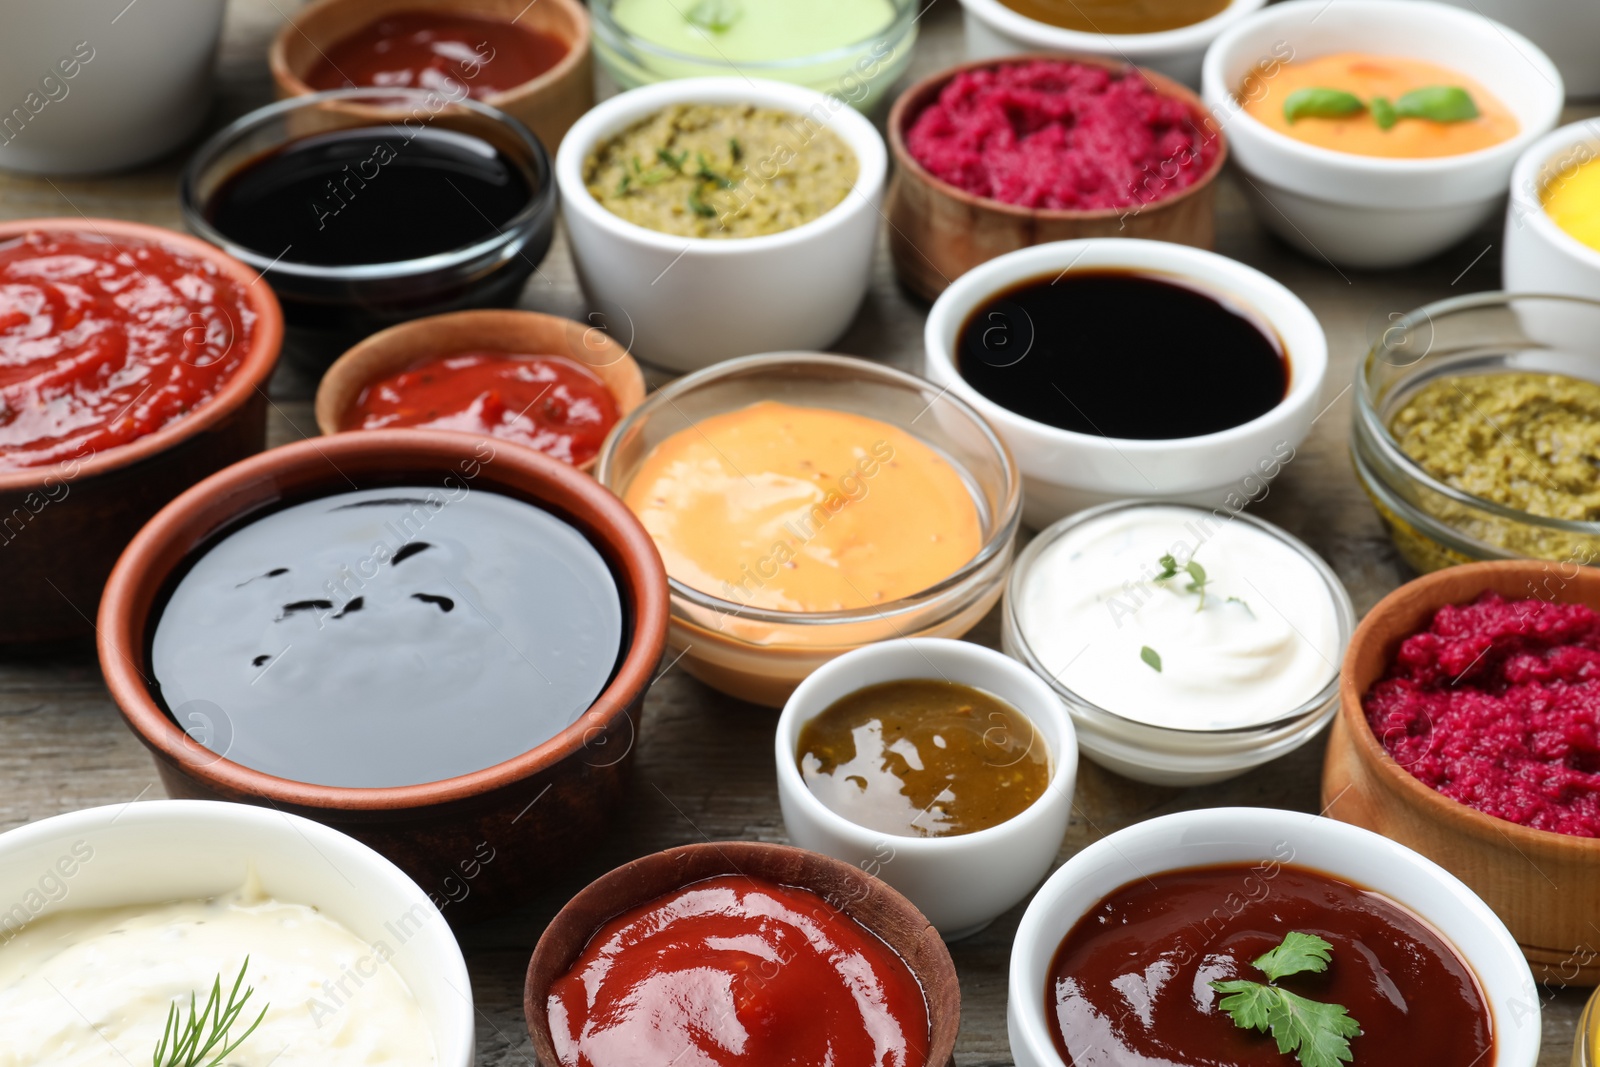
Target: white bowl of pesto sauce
111, 916
1189, 645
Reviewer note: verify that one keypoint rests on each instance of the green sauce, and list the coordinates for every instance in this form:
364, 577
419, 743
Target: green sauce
735, 31
924, 759
721, 170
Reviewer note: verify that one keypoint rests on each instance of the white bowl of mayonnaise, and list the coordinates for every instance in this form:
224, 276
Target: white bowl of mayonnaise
112, 917
1188, 644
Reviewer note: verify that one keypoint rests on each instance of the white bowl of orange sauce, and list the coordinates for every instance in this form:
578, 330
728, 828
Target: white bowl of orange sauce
1401, 174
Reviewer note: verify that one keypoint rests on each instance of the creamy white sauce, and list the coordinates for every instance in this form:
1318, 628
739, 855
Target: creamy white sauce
91, 988
1265, 641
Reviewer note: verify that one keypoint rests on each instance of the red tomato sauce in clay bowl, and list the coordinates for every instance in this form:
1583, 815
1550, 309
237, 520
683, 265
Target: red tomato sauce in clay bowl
552, 384
133, 363
737, 953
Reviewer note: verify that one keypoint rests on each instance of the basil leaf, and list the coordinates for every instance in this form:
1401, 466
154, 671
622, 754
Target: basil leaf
715, 16
1383, 113
1321, 104
1437, 103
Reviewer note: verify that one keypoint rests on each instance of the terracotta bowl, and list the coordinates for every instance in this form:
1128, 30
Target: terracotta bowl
938, 232
863, 897
439, 833
1545, 886
62, 526
547, 105
520, 332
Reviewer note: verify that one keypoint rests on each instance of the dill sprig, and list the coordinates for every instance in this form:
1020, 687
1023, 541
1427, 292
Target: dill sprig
187, 1044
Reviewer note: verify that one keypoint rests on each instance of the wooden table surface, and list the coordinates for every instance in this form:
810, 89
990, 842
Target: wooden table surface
703, 767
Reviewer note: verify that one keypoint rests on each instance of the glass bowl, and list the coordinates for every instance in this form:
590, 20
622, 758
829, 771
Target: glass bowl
1586, 1042
329, 308
1163, 755
760, 655
1434, 524
858, 72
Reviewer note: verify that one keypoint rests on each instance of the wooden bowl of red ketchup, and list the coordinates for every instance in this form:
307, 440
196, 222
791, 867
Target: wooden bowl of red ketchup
741, 953
530, 60
133, 363
553, 384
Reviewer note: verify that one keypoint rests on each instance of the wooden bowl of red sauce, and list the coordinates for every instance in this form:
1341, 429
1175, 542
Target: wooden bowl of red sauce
101, 425
1450, 713
959, 198
343, 676
644, 938
530, 60
553, 384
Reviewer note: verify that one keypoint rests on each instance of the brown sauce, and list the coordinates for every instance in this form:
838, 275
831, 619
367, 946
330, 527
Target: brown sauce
1118, 16
924, 759
1130, 985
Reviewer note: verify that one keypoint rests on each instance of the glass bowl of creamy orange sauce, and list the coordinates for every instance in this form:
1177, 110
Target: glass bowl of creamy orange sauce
809, 504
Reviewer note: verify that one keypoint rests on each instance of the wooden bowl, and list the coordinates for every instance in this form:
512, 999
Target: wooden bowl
938, 232
1544, 886
859, 895
62, 526
478, 841
548, 105
521, 332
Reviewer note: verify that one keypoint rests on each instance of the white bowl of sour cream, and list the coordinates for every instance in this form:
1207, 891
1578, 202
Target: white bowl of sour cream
1189, 645
110, 916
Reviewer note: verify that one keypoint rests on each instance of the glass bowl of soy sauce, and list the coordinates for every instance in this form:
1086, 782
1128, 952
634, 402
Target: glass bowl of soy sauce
364, 208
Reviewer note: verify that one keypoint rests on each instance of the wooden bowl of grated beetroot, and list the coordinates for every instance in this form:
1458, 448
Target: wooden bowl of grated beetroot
1469, 730
997, 155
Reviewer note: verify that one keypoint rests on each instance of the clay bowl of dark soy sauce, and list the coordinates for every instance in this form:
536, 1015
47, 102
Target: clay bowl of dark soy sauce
437, 643
363, 208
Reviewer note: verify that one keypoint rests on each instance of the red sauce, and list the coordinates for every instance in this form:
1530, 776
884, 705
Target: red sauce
1130, 985
734, 971
552, 403
438, 50
1497, 705
102, 342
1059, 135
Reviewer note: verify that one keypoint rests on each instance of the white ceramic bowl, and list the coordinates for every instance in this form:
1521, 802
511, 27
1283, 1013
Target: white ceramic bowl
963, 882
103, 85
1063, 471
165, 850
1541, 257
1568, 31
1162, 755
1363, 211
994, 30
1263, 835
689, 302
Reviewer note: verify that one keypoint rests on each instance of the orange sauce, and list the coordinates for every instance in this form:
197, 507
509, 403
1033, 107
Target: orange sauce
1368, 76
804, 509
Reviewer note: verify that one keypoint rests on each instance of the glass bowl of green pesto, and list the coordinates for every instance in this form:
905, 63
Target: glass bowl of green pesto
852, 49
1477, 430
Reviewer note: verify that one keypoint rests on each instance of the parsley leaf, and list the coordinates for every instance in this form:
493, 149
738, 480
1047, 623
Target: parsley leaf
1318, 1034
1169, 568
1297, 954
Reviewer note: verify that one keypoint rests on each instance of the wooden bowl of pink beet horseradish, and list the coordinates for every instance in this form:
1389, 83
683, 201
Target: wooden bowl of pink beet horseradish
479, 838
1544, 885
939, 231
886, 916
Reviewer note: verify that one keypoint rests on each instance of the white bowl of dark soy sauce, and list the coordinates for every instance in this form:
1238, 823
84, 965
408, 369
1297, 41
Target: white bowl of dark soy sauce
364, 208
1117, 368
